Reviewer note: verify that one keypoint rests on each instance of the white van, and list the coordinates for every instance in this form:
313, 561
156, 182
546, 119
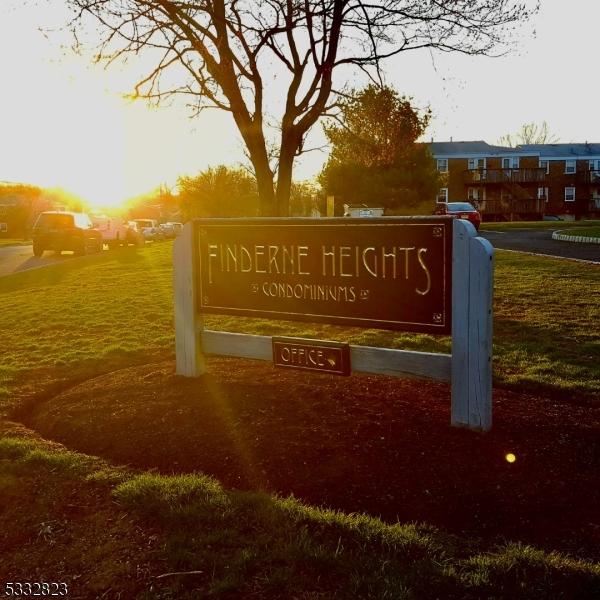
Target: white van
115, 232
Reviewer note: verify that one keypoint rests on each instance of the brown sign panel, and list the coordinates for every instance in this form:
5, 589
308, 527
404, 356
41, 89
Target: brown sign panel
390, 273
311, 355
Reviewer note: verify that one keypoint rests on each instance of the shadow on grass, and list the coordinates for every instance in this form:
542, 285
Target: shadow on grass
537, 359
127, 256
47, 383
273, 547
55, 273
239, 544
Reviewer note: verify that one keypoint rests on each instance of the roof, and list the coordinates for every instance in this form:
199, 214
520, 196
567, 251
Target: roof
472, 149
463, 148
481, 148
562, 150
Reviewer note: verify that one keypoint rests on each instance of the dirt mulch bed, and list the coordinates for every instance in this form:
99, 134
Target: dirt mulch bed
361, 444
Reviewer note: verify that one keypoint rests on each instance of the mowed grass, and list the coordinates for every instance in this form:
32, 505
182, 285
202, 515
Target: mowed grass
538, 224
588, 232
85, 317
546, 334
72, 321
234, 544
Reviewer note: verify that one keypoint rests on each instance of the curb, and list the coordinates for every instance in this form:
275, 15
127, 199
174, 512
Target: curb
557, 235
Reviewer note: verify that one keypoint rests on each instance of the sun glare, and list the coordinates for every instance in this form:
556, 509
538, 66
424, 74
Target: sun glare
107, 157
82, 134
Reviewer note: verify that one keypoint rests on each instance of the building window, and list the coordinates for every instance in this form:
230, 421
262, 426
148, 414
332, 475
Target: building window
594, 167
510, 163
3, 227
442, 195
442, 165
545, 164
475, 194
570, 166
476, 163
543, 193
570, 194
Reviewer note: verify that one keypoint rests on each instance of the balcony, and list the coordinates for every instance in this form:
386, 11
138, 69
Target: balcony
594, 205
588, 177
491, 176
512, 206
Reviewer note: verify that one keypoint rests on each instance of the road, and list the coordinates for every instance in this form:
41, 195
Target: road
20, 258
540, 241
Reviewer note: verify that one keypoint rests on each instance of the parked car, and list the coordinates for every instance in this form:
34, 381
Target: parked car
171, 229
177, 227
142, 224
552, 218
461, 210
155, 234
150, 229
168, 230
58, 231
115, 232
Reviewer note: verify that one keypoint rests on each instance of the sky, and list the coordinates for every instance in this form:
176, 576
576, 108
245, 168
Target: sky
64, 122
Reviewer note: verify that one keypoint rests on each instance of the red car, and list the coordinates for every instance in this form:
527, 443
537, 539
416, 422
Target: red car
461, 210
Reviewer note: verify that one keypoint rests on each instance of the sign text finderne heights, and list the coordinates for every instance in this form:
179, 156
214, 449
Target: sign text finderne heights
368, 273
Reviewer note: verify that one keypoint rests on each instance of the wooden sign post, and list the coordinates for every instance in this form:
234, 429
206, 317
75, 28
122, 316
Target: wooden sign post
423, 274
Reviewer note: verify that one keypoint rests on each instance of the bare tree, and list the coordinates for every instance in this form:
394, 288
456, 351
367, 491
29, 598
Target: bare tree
530, 133
225, 53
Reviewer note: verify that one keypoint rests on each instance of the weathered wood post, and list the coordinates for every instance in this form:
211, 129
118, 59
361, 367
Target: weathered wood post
188, 324
465, 291
472, 293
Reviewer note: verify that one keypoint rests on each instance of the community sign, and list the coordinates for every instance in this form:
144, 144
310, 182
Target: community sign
382, 273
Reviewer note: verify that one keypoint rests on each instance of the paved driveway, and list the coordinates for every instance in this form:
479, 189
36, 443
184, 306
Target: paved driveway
540, 241
20, 258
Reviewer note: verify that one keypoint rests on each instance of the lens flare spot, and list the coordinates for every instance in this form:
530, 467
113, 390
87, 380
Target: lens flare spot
510, 457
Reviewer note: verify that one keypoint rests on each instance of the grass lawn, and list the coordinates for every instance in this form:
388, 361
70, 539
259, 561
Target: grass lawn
588, 232
83, 317
70, 322
538, 224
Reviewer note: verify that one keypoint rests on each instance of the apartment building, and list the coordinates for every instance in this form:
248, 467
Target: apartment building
522, 183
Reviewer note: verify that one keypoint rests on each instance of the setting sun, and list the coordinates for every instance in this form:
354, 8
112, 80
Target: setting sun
71, 126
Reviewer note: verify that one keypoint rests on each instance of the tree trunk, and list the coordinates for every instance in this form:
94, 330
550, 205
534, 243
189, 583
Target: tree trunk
255, 143
284, 183
290, 141
266, 194
253, 136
